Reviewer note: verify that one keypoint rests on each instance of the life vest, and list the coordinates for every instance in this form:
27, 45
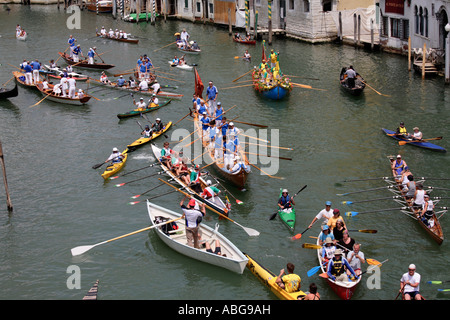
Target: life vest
338, 267
402, 130
399, 166
291, 282
285, 200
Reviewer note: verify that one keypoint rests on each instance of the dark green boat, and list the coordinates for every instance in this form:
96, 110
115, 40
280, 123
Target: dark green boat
137, 112
287, 215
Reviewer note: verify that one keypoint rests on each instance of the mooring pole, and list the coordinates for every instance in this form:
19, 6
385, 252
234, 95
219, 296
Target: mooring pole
2, 162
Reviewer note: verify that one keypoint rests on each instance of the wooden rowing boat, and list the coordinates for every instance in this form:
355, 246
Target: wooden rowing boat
287, 215
137, 112
423, 144
435, 232
9, 93
231, 257
359, 85
217, 204
55, 77
276, 90
268, 278
142, 140
160, 94
20, 78
239, 40
238, 177
127, 40
344, 289
182, 48
115, 167
84, 63
102, 6
50, 95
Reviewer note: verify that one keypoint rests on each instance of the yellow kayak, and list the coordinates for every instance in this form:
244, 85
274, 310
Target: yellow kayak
141, 141
115, 167
268, 278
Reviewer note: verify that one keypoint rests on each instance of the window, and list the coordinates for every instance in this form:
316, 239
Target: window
425, 18
199, 8
291, 4
421, 21
186, 4
416, 19
399, 28
395, 28
384, 26
305, 5
211, 8
326, 5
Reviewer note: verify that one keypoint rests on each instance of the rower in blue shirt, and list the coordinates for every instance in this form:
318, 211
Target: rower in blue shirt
77, 53
205, 121
71, 43
219, 111
120, 81
224, 126
91, 55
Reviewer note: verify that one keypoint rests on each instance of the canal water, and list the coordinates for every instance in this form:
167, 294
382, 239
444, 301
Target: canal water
60, 202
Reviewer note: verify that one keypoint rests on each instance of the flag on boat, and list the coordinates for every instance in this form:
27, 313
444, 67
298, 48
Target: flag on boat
198, 84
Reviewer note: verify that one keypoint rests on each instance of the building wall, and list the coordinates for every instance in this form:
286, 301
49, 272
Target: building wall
354, 4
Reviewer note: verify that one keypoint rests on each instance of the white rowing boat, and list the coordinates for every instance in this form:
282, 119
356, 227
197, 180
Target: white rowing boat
216, 203
182, 67
231, 257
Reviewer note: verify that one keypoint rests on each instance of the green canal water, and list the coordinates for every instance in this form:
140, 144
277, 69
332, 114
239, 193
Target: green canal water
60, 202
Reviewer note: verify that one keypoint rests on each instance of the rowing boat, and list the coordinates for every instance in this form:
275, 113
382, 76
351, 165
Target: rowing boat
238, 176
115, 167
275, 90
50, 95
85, 78
20, 78
423, 144
268, 278
160, 94
435, 232
182, 67
344, 289
182, 48
357, 89
239, 40
127, 40
9, 93
137, 112
287, 215
231, 257
84, 63
105, 6
22, 36
217, 203
143, 140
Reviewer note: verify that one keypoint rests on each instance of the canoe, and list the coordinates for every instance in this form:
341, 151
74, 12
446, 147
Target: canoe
217, 204
435, 232
232, 258
9, 93
22, 37
239, 177
20, 78
287, 216
160, 94
183, 67
268, 278
189, 50
135, 112
141, 141
357, 89
127, 40
244, 41
276, 91
115, 167
53, 97
344, 289
424, 144
84, 63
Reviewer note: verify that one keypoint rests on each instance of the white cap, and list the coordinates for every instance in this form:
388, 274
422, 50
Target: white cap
399, 156
115, 149
231, 124
158, 119
208, 183
412, 266
285, 190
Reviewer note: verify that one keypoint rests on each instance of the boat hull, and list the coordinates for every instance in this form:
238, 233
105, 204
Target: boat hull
275, 92
101, 66
5, 93
183, 67
234, 261
66, 100
142, 141
287, 216
134, 41
425, 144
251, 42
17, 75
268, 278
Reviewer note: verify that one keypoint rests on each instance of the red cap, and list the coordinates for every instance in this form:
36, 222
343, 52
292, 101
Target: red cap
335, 211
192, 202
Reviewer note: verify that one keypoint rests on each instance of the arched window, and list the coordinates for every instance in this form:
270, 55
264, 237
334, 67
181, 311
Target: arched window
305, 5
421, 21
426, 22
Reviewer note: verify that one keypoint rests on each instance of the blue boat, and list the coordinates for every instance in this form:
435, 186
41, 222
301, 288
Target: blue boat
274, 92
426, 145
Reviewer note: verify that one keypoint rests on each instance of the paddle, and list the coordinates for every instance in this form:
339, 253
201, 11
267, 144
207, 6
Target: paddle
96, 166
251, 124
401, 143
275, 214
381, 94
364, 231
325, 275
438, 282
154, 197
249, 231
443, 290
82, 249
265, 155
354, 213
123, 175
383, 178
275, 147
145, 117
165, 46
265, 173
242, 76
344, 194
352, 202
152, 175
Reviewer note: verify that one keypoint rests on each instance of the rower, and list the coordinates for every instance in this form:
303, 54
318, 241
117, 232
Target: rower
205, 124
210, 192
72, 87
71, 43
219, 111
141, 105
91, 55
111, 33
398, 166
285, 202
104, 78
153, 102
143, 85
337, 267
328, 251
195, 179
290, 282
80, 94
417, 135
147, 133
115, 156
156, 87
36, 66
121, 81
103, 31
427, 211
175, 61
77, 53
401, 130
64, 85
158, 126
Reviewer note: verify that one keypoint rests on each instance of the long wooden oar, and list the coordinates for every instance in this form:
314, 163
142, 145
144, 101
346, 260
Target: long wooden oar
250, 231
8, 81
165, 46
62, 55
381, 94
190, 112
367, 179
275, 214
242, 75
251, 124
354, 213
379, 188
352, 202
266, 155
125, 174
82, 249
276, 147
401, 143
265, 173
259, 139
34, 105
141, 178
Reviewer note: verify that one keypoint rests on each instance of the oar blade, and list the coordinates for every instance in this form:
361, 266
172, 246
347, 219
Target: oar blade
313, 271
434, 282
368, 231
297, 236
311, 246
251, 232
81, 249
351, 213
347, 202
443, 290
373, 262
239, 201
96, 166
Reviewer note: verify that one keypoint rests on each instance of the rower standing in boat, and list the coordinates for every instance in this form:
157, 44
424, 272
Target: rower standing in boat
212, 93
351, 76
91, 55
28, 72
219, 112
77, 53
193, 219
184, 36
64, 85
36, 66
410, 284
324, 214
72, 45
273, 58
290, 282
72, 86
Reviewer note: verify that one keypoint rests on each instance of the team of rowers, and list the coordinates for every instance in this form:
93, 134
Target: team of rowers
268, 71
117, 34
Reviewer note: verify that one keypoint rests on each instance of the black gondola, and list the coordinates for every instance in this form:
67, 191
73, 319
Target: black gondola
5, 93
354, 89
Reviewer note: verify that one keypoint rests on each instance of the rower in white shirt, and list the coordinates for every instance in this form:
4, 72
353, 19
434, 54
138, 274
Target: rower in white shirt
72, 87
143, 85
